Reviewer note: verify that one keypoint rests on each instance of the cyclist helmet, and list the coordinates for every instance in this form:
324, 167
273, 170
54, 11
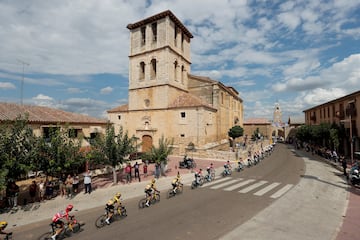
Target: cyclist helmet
3, 224
110, 202
118, 195
69, 207
153, 180
356, 171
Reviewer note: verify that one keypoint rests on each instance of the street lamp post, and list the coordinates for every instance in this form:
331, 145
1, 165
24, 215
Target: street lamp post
22, 81
351, 138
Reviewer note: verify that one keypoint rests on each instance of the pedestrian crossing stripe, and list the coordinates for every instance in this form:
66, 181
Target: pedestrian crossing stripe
266, 189
246, 182
252, 187
282, 191
225, 183
216, 181
230, 184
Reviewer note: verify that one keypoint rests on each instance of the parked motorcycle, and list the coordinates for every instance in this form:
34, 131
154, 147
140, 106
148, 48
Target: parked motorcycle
187, 162
354, 176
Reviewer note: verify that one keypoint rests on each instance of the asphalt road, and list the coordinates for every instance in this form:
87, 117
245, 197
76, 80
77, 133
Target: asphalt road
208, 212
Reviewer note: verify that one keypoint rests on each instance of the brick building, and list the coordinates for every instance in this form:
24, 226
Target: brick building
341, 111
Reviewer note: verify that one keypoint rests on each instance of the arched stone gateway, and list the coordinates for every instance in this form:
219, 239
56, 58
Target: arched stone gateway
147, 143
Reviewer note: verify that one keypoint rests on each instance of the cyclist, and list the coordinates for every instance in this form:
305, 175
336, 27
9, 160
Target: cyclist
3, 225
150, 190
57, 220
198, 176
110, 206
176, 182
227, 167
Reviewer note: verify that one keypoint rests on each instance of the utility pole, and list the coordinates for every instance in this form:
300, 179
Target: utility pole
22, 81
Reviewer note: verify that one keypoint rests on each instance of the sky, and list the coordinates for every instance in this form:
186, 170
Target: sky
73, 54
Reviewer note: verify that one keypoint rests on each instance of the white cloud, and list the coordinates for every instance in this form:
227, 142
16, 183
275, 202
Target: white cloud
7, 85
106, 90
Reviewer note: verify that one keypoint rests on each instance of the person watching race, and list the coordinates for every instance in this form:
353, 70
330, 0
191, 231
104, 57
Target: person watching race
3, 225
176, 182
57, 220
110, 206
150, 190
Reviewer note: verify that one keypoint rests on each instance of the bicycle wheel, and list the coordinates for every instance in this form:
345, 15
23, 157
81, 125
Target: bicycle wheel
75, 227
170, 193
100, 221
120, 213
156, 198
180, 189
46, 236
142, 203
123, 212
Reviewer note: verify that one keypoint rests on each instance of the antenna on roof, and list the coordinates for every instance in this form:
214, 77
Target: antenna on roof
22, 81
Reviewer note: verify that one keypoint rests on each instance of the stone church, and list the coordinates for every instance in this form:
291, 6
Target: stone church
165, 99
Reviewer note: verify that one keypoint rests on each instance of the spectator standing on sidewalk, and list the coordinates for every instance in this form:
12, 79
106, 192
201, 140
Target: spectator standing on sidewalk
344, 165
69, 185
128, 173
32, 191
145, 167
76, 183
12, 192
62, 187
87, 182
41, 188
136, 170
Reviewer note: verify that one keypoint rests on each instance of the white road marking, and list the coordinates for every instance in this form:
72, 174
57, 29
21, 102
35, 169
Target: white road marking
267, 189
282, 191
225, 184
252, 187
216, 181
233, 187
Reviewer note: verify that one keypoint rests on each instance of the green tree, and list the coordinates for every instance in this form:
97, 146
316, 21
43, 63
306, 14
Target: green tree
16, 148
112, 149
235, 132
59, 153
160, 154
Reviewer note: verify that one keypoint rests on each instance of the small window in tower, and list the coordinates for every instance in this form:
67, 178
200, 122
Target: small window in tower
119, 117
175, 71
154, 31
142, 71
143, 35
153, 69
182, 114
182, 74
182, 135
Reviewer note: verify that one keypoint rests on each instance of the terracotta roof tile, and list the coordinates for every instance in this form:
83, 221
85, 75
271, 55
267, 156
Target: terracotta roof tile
188, 100
121, 108
10, 111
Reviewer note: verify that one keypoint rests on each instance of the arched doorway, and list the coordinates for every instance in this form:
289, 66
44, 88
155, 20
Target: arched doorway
146, 143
